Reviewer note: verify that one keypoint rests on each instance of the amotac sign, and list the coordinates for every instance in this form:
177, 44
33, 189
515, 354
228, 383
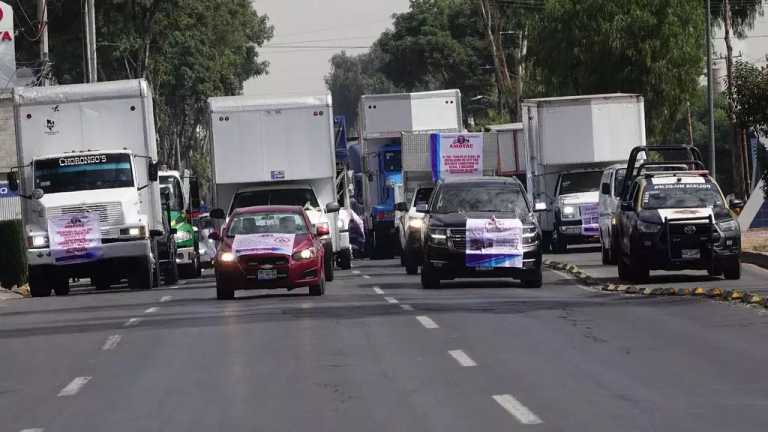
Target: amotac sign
7, 47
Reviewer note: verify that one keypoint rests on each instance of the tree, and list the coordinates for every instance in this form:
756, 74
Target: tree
650, 47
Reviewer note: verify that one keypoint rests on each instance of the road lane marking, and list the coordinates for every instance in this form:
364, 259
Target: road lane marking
406, 307
427, 322
355, 271
111, 342
182, 282
518, 410
151, 310
33, 430
577, 282
462, 357
391, 300
164, 299
377, 290
306, 305
74, 387
366, 277
132, 322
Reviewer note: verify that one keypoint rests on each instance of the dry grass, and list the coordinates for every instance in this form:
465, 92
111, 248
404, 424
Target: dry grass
755, 240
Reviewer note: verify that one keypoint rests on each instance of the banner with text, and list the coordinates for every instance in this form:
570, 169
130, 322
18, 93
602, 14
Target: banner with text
75, 238
590, 219
263, 243
494, 243
456, 155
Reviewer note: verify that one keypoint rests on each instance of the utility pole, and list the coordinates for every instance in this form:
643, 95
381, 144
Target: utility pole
90, 41
710, 93
42, 18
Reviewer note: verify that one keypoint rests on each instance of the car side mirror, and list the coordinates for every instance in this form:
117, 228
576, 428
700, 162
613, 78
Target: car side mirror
152, 171
13, 182
627, 206
333, 207
605, 189
218, 213
736, 204
401, 207
540, 206
322, 230
174, 231
214, 235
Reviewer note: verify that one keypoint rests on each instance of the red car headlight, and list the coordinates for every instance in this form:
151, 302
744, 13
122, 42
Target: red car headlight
305, 254
227, 257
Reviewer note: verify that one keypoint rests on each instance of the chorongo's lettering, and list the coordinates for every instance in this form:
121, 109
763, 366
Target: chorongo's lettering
82, 160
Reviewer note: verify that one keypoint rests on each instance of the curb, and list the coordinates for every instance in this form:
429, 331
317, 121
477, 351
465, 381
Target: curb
719, 294
759, 259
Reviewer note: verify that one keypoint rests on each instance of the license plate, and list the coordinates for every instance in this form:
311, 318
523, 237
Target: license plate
691, 253
267, 274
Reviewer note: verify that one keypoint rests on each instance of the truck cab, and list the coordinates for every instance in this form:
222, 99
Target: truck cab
576, 208
180, 191
383, 212
410, 227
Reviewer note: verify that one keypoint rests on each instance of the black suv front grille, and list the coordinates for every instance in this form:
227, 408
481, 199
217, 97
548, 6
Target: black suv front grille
457, 239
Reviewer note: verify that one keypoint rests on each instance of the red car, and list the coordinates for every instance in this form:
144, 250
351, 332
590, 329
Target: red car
269, 247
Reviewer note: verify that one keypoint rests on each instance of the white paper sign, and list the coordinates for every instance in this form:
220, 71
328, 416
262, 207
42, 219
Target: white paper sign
456, 155
75, 238
494, 243
7, 47
246, 244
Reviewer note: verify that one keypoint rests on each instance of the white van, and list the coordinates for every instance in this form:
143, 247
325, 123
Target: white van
608, 202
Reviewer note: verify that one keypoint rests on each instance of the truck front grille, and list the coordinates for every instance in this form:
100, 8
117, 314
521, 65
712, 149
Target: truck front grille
457, 239
110, 214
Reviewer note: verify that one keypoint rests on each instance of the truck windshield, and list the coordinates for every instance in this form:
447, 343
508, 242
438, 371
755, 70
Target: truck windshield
175, 194
82, 173
681, 195
482, 198
422, 196
288, 197
392, 161
581, 182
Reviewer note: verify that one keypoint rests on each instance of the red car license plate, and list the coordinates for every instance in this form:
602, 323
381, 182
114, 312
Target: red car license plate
267, 274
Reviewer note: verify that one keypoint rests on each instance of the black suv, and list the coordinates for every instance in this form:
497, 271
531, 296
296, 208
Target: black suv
496, 203
675, 221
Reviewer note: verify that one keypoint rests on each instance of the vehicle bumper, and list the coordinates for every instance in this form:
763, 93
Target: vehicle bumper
449, 264
655, 252
185, 255
572, 231
119, 257
295, 274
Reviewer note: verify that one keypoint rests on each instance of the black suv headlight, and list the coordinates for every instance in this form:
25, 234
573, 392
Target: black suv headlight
438, 236
646, 227
530, 236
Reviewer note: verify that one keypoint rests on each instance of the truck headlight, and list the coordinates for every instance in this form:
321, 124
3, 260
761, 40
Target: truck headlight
729, 225
438, 237
529, 235
646, 227
570, 212
416, 223
37, 241
139, 232
182, 236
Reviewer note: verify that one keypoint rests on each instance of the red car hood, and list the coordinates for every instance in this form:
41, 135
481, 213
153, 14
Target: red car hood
302, 241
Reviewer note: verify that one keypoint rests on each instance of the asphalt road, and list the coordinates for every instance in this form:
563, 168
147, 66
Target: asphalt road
377, 353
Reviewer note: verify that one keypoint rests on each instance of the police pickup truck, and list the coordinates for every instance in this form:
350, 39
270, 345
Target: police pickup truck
676, 220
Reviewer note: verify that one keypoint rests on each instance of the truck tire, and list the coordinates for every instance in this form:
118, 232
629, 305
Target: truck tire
101, 282
625, 273
429, 277
328, 263
140, 277
732, 269
319, 289
411, 262
61, 288
171, 275
559, 243
225, 290
344, 259
38, 283
536, 281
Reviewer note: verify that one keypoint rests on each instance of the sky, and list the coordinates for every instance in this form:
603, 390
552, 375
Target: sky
327, 23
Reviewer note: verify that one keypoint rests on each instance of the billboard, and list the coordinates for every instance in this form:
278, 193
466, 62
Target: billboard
7, 47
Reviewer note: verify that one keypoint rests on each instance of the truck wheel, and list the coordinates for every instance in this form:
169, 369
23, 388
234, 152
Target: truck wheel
328, 263
605, 253
732, 269
319, 289
198, 267
411, 263
535, 282
62, 286
171, 275
38, 285
141, 276
101, 282
225, 290
625, 274
559, 243
345, 259
429, 277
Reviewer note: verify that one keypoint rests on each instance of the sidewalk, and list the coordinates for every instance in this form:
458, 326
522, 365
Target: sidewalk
7, 295
754, 245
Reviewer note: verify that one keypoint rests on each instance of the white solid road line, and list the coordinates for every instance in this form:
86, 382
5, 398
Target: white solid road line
366, 277
33, 430
427, 322
377, 290
518, 410
111, 342
306, 305
132, 322
164, 299
74, 387
355, 271
462, 358
151, 310
391, 300
406, 307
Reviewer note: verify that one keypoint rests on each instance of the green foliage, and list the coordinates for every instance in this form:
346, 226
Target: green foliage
750, 96
743, 14
13, 265
650, 47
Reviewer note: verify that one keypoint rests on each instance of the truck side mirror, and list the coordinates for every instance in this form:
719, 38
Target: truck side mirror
605, 189
152, 171
627, 206
332, 207
422, 208
214, 235
218, 213
13, 182
401, 207
540, 206
194, 194
735, 204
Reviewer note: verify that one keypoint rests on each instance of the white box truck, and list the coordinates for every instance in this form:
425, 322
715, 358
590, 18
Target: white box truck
569, 142
383, 120
88, 174
277, 152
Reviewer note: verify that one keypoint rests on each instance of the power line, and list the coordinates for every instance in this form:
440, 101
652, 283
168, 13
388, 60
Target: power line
298, 47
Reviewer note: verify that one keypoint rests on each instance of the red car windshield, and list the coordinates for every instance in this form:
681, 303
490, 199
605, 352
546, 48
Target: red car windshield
267, 223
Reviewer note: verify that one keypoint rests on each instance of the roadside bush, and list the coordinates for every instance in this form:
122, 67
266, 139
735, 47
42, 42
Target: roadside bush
13, 266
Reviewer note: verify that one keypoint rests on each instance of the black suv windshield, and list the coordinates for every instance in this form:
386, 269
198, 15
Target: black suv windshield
481, 198
580, 182
422, 196
83, 172
287, 197
681, 195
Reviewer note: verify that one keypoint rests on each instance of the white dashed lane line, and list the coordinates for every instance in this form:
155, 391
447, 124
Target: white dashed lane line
462, 357
391, 300
377, 290
355, 271
406, 307
132, 322
111, 342
427, 322
33, 430
366, 277
517, 409
151, 310
74, 387
164, 299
